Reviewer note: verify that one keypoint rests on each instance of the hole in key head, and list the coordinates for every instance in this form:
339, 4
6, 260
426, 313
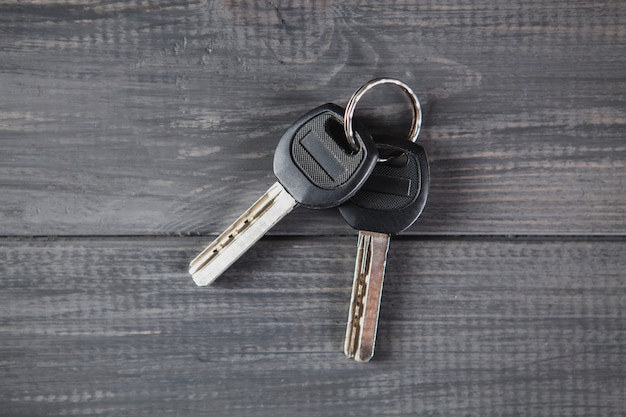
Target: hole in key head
396, 160
392, 156
334, 128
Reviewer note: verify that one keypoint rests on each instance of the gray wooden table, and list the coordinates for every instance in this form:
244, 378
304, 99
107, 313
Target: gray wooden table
132, 133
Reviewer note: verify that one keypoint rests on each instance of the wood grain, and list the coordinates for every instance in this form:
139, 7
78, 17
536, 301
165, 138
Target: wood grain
500, 328
127, 118
128, 128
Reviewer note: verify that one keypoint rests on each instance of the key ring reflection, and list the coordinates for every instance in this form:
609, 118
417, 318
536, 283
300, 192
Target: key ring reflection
416, 123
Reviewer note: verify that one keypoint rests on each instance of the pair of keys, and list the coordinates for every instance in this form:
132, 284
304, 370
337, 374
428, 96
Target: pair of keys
327, 159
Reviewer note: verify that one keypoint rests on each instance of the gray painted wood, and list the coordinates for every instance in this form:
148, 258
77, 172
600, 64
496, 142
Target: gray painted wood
121, 122
125, 118
468, 327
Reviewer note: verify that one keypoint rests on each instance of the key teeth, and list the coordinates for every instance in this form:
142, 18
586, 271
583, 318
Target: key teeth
366, 296
241, 235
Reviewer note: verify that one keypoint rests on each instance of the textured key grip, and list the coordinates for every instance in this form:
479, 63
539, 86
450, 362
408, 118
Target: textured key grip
395, 194
315, 163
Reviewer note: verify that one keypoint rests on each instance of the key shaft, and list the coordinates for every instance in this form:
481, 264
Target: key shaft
390, 201
314, 167
275, 204
367, 288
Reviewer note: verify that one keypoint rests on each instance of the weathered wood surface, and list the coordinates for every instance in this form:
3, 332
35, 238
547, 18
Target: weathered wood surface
500, 328
121, 122
121, 118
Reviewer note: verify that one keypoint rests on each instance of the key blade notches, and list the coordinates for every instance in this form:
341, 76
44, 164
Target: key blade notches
366, 294
390, 201
275, 204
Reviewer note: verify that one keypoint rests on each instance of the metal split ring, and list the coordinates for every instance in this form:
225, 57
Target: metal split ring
350, 107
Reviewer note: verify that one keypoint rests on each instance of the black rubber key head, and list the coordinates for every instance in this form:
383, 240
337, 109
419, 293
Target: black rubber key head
395, 194
315, 163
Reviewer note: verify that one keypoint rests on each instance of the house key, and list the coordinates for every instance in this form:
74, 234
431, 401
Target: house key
316, 167
390, 201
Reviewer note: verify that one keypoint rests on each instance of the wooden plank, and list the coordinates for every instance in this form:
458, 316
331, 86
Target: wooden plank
124, 118
468, 327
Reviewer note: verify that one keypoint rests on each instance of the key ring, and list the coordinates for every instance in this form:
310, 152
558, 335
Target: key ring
416, 123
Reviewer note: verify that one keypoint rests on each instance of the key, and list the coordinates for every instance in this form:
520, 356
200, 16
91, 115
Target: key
315, 166
390, 201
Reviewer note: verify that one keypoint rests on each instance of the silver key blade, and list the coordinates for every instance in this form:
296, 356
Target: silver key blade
367, 288
275, 204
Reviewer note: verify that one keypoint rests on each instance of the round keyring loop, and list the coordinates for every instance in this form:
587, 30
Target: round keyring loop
351, 106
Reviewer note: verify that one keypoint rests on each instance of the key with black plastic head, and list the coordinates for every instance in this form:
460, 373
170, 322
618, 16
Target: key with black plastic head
315, 166
390, 201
